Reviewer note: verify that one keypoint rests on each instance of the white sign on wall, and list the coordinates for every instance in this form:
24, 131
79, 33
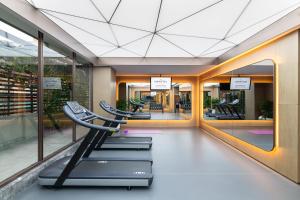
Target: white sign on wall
240, 83
52, 83
160, 83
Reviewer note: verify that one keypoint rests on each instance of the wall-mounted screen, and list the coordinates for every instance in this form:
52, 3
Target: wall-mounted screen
240, 83
161, 83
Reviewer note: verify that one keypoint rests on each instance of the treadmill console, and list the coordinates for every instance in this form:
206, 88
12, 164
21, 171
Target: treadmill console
75, 107
222, 101
236, 101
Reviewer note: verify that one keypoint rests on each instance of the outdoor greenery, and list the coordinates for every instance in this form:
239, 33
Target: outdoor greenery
207, 102
266, 108
122, 105
210, 103
214, 102
55, 99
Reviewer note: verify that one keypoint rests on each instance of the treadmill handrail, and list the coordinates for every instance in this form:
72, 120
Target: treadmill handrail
129, 113
113, 112
107, 119
126, 112
68, 112
136, 103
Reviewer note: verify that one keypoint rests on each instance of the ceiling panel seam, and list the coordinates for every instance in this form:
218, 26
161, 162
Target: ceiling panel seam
205, 8
115, 10
154, 32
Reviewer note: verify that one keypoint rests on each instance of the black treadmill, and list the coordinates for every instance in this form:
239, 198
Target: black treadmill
220, 108
136, 106
118, 148
123, 142
233, 113
130, 115
79, 170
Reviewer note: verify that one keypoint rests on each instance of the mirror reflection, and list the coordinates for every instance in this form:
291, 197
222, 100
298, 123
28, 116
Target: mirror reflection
172, 102
240, 103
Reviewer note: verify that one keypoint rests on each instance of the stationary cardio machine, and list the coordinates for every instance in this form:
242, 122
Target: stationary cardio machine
124, 142
79, 170
233, 113
136, 105
220, 108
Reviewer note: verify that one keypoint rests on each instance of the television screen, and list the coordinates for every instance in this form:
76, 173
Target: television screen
160, 83
240, 83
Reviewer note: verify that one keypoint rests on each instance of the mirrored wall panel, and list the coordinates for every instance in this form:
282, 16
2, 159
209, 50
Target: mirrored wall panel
170, 101
241, 103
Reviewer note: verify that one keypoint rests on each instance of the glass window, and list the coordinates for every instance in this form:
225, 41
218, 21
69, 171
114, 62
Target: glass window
57, 90
82, 92
18, 100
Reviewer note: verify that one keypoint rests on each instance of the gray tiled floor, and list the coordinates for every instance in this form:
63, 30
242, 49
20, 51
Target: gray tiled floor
189, 164
263, 141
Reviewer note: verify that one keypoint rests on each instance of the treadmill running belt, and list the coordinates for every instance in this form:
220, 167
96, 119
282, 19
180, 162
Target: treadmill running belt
117, 139
93, 169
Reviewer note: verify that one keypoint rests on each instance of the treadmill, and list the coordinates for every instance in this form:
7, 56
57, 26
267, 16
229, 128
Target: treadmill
136, 106
78, 170
220, 108
234, 115
131, 115
122, 142
114, 153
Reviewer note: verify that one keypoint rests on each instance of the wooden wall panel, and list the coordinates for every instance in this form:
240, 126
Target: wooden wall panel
104, 87
285, 157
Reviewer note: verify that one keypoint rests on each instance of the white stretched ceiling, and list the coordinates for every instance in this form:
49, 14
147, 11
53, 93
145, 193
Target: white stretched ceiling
163, 28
